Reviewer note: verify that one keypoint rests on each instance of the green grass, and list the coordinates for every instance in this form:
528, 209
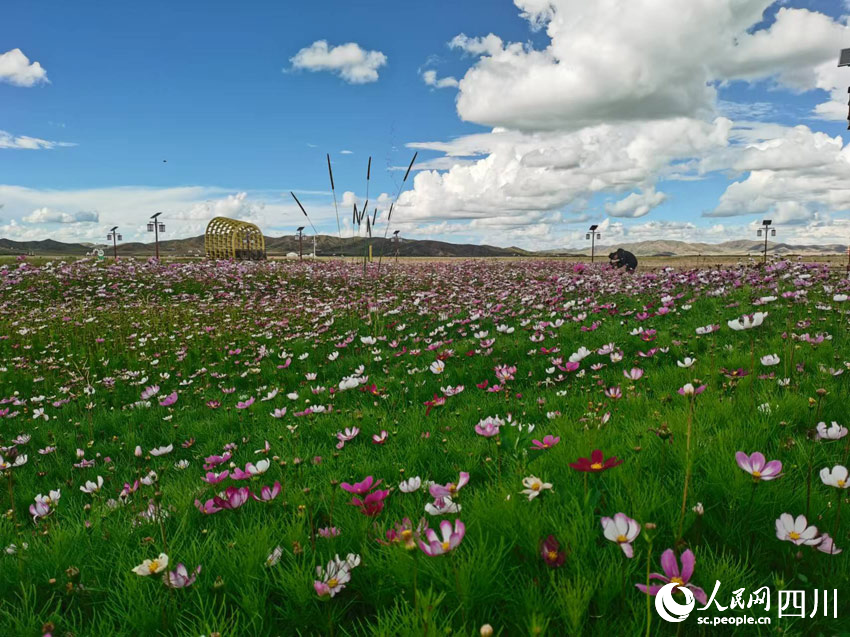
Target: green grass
68, 327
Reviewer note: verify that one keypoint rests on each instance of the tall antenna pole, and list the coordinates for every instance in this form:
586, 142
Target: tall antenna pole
336, 208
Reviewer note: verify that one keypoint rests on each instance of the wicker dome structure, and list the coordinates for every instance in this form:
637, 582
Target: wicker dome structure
232, 239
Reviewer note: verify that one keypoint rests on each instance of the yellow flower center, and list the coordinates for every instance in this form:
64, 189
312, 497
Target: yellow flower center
535, 486
445, 546
553, 555
333, 582
757, 474
596, 465
154, 566
452, 489
622, 538
677, 580
841, 483
405, 535
794, 535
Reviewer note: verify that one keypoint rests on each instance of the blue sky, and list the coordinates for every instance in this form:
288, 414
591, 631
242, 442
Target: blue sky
210, 88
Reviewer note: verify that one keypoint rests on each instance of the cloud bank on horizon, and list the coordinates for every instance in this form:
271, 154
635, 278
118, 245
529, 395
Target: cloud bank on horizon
612, 113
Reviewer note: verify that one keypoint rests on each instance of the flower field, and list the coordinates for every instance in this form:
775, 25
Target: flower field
520, 448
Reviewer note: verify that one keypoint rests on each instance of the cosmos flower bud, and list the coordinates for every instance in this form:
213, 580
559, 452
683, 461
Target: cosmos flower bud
138, 451
486, 630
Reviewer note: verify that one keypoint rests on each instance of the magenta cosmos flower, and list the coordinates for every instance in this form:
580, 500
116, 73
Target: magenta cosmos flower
674, 575
360, 488
757, 467
451, 538
547, 443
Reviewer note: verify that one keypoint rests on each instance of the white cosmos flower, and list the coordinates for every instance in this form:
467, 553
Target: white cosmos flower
92, 487
161, 451
410, 485
534, 486
797, 530
441, 506
152, 567
833, 432
368, 340
746, 322
839, 298
261, 467
770, 360
837, 477
274, 556
688, 362
437, 367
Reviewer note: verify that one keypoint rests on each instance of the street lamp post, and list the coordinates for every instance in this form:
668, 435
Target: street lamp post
844, 60
115, 238
768, 231
593, 236
396, 241
300, 232
156, 227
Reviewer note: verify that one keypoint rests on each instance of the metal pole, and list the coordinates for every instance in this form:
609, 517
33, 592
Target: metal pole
592, 245
300, 250
765, 245
115, 246
156, 236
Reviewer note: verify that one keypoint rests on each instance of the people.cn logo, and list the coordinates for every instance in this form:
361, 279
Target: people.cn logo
669, 609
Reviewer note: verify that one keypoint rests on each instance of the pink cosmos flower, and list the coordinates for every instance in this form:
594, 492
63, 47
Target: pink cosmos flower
614, 393
827, 545
623, 530
548, 442
450, 489
489, 427
635, 373
246, 403
267, 494
673, 574
214, 461
381, 438
150, 392
756, 466
451, 539
215, 478
207, 508
180, 577
348, 435
168, 400
232, 497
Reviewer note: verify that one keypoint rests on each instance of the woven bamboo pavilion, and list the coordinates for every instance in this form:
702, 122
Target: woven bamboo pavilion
232, 239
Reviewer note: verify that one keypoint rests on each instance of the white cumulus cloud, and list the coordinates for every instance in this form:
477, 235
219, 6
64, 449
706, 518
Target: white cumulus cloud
430, 78
16, 69
350, 61
46, 215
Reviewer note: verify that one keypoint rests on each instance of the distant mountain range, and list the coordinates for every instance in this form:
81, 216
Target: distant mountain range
355, 246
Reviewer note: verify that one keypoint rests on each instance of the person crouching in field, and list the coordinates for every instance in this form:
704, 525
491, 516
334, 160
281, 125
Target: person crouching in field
622, 258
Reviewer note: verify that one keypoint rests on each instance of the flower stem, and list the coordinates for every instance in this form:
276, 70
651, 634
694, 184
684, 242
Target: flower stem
837, 520
687, 469
648, 596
